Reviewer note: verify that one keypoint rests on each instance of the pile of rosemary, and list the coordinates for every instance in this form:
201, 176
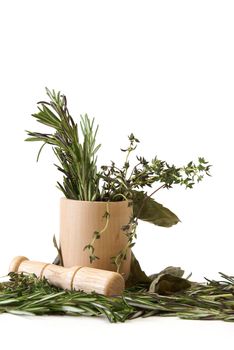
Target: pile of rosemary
213, 300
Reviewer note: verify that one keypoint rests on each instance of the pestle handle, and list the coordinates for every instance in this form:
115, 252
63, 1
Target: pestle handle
87, 279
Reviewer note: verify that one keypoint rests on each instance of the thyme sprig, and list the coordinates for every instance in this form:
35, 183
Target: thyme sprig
97, 235
130, 231
146, 173
118, 185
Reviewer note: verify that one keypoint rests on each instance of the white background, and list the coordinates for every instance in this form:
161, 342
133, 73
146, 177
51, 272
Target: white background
160, 69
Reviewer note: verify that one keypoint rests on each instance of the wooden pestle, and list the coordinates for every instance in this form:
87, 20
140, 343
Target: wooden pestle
87, 279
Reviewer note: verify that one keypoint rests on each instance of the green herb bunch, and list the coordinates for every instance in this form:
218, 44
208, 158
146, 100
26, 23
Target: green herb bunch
77, 159
131, 183
76, 150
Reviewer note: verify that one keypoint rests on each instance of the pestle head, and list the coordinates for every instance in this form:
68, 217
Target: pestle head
104, 282
15, 263
115, 285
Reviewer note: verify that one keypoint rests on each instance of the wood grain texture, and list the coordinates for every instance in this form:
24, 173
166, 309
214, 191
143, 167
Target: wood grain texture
79, 220
75, 277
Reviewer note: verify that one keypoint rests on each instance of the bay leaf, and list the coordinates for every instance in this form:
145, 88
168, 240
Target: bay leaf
171, 270
169, 281
137, 275
147, 209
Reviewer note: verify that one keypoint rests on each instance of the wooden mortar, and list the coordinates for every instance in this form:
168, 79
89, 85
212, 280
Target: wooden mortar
78, 222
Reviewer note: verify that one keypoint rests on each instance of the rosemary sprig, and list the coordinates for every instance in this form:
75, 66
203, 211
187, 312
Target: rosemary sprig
77, 159
27, 295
